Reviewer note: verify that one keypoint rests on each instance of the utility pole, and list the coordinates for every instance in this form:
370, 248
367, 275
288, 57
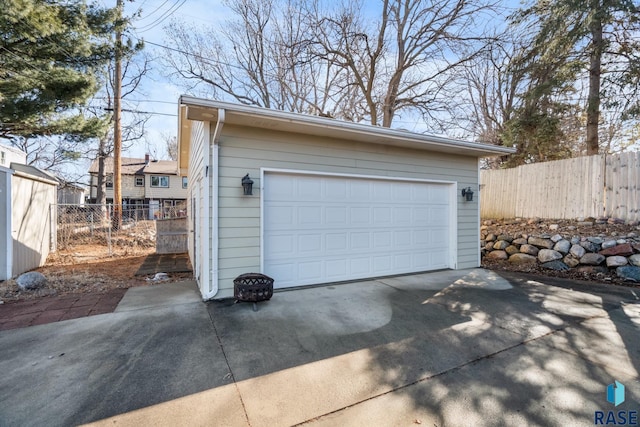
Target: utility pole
117, 124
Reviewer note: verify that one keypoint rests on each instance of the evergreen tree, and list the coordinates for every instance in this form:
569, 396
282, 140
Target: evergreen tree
49, 51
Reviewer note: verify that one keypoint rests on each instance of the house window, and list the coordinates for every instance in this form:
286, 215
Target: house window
139, 181
160, 181
185, 182
108, 181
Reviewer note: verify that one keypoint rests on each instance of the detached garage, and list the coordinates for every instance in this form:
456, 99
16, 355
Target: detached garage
330, 201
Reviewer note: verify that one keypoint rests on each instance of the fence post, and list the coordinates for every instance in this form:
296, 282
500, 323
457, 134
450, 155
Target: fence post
109, 231
53, 219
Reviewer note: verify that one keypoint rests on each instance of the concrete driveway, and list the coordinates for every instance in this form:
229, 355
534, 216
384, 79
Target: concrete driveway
458, 348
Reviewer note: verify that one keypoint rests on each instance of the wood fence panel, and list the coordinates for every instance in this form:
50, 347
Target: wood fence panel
593, 186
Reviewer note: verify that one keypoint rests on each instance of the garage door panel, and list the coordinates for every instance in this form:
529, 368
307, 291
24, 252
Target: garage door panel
351, 228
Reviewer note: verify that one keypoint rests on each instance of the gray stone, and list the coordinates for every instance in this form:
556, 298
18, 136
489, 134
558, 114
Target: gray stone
596, 240
505, 238
632, 234
592, 259
571, 227
589, 246
547, 255
529, 250
511, 250
621, 241
635, 260
585, 223
575, 240
562, 246
520, 241
500, 245
629, 272
555, 265
577, 251
609, 244
616, 261
571, 261
556, 238
522, 259
483, 243
497, 255
553, 226
541, 242
31, 281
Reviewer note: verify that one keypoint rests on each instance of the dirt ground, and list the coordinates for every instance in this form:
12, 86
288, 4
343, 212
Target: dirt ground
88, 269
567, 228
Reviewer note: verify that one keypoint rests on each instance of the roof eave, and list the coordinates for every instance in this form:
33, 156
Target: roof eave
206, 110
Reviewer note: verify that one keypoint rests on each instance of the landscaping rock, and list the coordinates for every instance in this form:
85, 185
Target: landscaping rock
609, 244
585, 224
512, 250
31, 281
505, 238
520, 241
562, 246
635, 260
541, 242
592, 259
571, 261
616, 261
547, 255
529, 250
553, 226
575, 240
556, 238
522, 259
555, 265
497, 255
489, 246
596, 240
629, 272
577, 251
623, 250
500, 245
590, 246
490, 237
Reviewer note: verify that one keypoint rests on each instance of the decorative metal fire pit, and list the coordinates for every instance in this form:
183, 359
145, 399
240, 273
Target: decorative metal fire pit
252, 287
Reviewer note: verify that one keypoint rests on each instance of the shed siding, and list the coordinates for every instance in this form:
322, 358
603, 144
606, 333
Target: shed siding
31, 222
5, 224
244, 150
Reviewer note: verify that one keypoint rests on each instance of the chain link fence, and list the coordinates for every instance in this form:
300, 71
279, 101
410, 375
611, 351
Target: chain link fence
92, 231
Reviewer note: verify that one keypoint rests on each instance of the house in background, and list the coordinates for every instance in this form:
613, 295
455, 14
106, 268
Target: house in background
70, 194
157, 184
10, 155
331, 200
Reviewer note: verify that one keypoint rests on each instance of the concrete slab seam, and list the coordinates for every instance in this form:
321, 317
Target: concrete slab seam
226, 361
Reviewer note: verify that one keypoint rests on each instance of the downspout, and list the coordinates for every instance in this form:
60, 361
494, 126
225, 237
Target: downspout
212, 208
8, 238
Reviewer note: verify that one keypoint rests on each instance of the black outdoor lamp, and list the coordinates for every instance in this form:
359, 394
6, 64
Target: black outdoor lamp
247, 184
468, 194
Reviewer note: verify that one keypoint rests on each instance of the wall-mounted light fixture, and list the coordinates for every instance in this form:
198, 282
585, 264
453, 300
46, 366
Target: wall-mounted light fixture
247, 184
467, 193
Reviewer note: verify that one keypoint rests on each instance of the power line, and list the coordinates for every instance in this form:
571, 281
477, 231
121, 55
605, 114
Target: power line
162, 18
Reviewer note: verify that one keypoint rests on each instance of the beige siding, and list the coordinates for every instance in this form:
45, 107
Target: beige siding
174, 191
129, 189
31, 222
245, 151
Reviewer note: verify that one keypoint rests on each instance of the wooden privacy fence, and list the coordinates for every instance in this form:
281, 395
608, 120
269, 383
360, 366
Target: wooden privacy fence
593, 186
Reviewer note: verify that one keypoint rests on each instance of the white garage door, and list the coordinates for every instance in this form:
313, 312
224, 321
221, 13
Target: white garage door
321, 229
